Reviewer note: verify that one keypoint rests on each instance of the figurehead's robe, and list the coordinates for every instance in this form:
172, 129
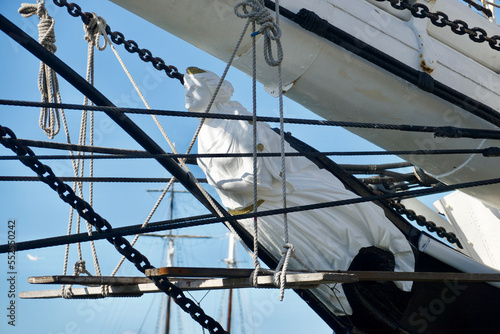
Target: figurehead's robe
324, 239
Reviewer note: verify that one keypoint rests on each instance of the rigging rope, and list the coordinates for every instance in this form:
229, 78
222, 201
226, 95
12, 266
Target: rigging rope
111, 234
118, 38
270, 29
92, 36
102, 29
255, 256
439, 131
116, 153
256, 13
288, 250
181, 161
97, 179
48, 83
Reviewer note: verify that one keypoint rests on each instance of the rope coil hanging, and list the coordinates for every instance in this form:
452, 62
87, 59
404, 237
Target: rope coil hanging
48, 83
256, 13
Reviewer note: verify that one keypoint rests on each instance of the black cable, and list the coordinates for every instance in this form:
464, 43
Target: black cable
117, 153
96, 179
115, 232
439, 131
188, 222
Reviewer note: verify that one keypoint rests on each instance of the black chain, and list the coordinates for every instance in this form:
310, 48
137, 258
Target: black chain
422, 221
118, 38
440, 19
418, 10
66, 193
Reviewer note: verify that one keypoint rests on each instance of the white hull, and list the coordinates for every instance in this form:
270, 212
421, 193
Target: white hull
339, 85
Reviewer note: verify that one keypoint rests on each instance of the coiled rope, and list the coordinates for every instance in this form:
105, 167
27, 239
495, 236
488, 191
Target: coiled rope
255, 11
47, 79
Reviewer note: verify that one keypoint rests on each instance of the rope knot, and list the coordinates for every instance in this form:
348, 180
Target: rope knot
46, 34
94, 29
67, 292
288, 248
255, 11
79, 268
279, 277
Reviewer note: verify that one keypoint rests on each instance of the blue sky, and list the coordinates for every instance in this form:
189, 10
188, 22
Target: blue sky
40, 213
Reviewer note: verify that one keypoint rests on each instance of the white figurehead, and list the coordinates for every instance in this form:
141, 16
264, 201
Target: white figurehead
323, 239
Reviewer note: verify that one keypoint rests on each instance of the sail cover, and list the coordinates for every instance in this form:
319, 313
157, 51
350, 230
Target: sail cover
324, 239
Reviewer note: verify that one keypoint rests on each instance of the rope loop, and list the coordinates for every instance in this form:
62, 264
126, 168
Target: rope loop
279, 276
104, 290
67, 292
255, 11
254, 275
94, 29
47, 80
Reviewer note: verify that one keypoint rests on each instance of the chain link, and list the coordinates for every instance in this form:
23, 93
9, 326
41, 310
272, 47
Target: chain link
118, 38
440, 19
122, 245
422, 221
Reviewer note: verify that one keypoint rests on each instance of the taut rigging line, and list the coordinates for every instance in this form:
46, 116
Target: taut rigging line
438, 131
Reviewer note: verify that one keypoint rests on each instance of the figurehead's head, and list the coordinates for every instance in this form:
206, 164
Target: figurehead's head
200, 86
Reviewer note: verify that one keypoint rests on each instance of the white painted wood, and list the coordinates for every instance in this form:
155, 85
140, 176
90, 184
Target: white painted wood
478, 223
422, 209
338, 85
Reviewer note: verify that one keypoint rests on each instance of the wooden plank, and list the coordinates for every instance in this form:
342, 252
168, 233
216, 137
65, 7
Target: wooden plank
302, 281
93, 292
294, 280
199, 272
361, 275
88, 280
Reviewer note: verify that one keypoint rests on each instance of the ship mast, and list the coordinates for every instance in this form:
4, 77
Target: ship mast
171, 249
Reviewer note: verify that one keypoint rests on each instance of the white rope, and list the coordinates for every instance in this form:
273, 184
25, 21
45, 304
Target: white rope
48, 84
228, 65
281, 269
256, 261
256, 12
92, 36
49, 88
171, 144
102, 30
78, 269
70, 220
197, 132
271, 31
288, 249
